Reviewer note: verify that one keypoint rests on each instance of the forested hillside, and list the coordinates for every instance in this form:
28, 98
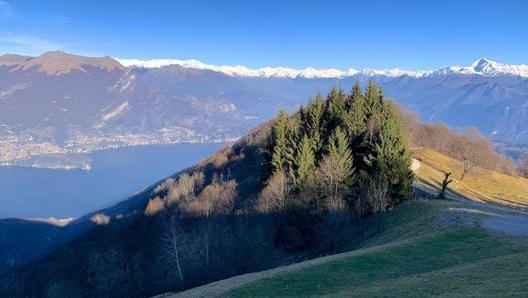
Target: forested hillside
294, 188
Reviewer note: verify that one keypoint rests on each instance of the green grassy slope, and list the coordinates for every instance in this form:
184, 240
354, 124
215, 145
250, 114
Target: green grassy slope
464, 262
420, 249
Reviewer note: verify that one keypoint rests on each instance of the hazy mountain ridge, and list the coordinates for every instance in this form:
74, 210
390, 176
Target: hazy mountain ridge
59, 103
77, 108
58, 63
489, 89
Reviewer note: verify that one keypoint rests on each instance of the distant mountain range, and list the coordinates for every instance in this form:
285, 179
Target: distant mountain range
482, 67
60, 103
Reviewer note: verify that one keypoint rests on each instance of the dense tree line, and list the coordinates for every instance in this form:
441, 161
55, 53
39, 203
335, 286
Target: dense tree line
294, 188
322, 153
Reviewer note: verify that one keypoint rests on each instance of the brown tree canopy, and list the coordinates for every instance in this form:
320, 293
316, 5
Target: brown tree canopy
468, 145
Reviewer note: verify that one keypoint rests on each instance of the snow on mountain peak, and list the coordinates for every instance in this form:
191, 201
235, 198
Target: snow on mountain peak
268, 72
482, 63
484, 66
488, 67
481, 66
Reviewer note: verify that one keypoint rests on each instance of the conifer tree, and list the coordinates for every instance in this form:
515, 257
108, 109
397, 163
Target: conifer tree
304, 162
373, 100
279, 142
390, 159
334, 114
338, 147
356, 111
312, 117
374, 118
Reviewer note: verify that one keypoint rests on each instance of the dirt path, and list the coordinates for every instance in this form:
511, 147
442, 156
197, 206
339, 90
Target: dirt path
496, 218
515, 225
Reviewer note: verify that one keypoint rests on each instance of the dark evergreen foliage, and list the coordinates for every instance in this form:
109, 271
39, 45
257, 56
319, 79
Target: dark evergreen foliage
373, 132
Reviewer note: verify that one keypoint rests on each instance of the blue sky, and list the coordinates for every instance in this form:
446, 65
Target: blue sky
413, 35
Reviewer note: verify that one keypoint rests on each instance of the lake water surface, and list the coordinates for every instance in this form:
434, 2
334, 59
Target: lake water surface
115, 175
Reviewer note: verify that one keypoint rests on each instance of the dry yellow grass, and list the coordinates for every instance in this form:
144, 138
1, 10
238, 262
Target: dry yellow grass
480, 185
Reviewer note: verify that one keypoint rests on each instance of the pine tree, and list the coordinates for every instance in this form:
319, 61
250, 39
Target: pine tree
335, 174
390, 159
279, 142
334, 114
373, 112
338, 147
356, 110
373, 100
304, 162
312, 117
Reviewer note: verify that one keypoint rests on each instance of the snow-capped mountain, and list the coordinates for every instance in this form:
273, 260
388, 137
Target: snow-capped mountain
62, 98
490, 68
488, 95
241, 71
482, 66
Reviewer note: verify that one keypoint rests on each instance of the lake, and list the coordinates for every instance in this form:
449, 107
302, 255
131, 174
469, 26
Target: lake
115, 175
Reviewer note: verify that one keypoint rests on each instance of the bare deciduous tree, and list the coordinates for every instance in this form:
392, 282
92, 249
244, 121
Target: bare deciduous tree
154, 206
412, 126
378, 195
331, 178
100, 219
184, 189
468, 148
173, 242
523, 167
217, 197
274, 195
506, 165
445, 183
372, 128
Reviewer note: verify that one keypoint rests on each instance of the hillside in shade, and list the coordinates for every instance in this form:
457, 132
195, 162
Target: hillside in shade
293, 188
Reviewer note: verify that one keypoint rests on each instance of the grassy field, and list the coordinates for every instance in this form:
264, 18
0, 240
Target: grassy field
422, 248
464, 262
479, 185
